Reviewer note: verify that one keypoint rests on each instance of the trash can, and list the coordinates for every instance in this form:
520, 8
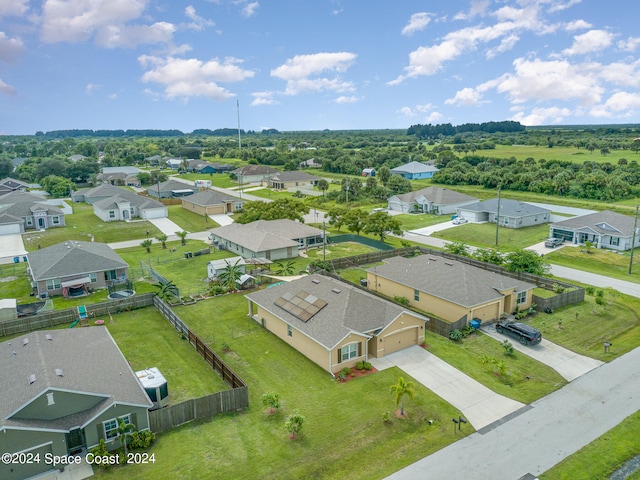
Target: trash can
363, 282
475, 323
188, 255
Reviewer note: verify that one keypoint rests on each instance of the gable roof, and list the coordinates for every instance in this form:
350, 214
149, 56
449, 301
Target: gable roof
254, 170
414, 167
23, 204
605, 222
436, 195
73, 258
451, 280
113, 194
294, 176
12, 184
171, 185
263, 235
346, 308
508, 208
210, 197
97, 368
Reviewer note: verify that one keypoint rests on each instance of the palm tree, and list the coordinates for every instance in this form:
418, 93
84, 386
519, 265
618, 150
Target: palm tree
147, 244
401, 389
166, 290
183, 237
231, 274
285, 269
124, 430
163, 239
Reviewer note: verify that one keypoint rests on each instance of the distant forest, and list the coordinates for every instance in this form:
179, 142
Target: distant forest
426, 132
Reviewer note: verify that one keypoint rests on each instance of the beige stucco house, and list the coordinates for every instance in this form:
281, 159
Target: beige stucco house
212, 202
449, 289
333, 323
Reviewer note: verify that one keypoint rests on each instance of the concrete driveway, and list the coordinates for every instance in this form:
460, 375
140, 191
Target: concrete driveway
166, 226
478, 404
221, 219
426, 231
567, 363
11, 246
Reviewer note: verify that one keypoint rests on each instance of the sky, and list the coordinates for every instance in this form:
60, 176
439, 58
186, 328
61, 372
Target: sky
315, 64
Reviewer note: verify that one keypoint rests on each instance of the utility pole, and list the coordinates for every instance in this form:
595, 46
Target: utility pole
498, 217
239, 145
346, 186
324, 242
633, 239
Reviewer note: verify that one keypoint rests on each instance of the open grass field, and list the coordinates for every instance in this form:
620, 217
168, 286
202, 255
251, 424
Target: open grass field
600, 261
484, 235
221, 180
83, 224
420, 220
189, 221
343, 434
147, 340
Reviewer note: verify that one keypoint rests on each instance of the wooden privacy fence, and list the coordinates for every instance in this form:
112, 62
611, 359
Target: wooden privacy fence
52, 318
203, 408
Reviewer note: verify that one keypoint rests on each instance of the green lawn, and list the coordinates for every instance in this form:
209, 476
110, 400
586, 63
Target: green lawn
147, 340
600, 261
343, 434
420, 220
484, 235
82, 224
190, 221
221, 180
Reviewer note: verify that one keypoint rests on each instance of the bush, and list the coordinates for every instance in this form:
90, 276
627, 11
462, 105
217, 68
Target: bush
101, 451
456, 335
590, 290
508, 347
557, 288
601, 301
367, 366
360, 365
142, 439
404, 301
346, 371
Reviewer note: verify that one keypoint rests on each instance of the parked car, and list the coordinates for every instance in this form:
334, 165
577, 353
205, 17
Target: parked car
459, 220
553, 242
525, 334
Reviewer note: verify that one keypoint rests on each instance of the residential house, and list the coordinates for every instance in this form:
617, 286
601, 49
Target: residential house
17, 162
434, 200
203, 167
125, 175
449, 289
75, 158
174, 163
217, 267
513, 213
171, 189
74, 268
333, 323
605, 229
415, 170
310, 163
20, 211
212, 202
293, 179
9, 184
270, 239
369, 172
112, 203
253, 173
61, 392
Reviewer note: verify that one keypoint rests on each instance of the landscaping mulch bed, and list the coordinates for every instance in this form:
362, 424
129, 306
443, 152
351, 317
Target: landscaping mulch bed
355, 373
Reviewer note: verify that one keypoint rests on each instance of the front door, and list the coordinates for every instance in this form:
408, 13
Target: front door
75, 441
41, 223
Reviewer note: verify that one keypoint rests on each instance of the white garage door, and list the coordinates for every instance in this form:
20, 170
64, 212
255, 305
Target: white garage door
398, 341
9, 229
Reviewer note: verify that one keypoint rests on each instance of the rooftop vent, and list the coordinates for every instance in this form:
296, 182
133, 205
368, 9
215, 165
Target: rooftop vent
48, 337
50, 400
25, 342
32, 379
433, 258
315, 280
450, 264
336, 290
59, 372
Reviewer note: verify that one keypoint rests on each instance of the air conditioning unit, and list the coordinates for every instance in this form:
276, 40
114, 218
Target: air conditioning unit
44, 294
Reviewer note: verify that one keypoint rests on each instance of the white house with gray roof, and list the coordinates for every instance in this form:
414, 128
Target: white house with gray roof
74, 268
21, 211
513, 213
270, 239
333, 323
111, 203
61, 392
434, 200
450, 289
415, 170
605, 229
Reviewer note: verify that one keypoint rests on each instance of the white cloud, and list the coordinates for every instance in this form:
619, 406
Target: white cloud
185, 78
407, 112
434, 117
592, 41
13, 8
10, 48
197, 22
298, 70
417, 23
424, 108
467, 97
577, 25
619, 104
6, 88
250, 9
263, 98
91, 87
542, 116
506, 44
346, 99
630, 44
109, 21
560, 5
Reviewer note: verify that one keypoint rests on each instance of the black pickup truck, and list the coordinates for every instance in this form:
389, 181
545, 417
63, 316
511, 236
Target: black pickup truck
526, 334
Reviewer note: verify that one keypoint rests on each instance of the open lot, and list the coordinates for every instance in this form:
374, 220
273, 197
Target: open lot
600, 261
484, 235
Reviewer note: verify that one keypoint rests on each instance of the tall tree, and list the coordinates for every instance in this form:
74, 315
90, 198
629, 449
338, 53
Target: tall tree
380, 223
400, 390
231, 274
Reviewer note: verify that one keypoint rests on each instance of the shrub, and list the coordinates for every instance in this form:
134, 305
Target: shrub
590, 290
600, 293
601, 301
142, 439
360, 365
557, 288
508, 347
101, 451
367, 366
386, 418
404, 301
346, 371
468, 330
456, 335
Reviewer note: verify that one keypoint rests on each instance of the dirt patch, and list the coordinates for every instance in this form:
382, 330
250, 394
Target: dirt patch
8, 279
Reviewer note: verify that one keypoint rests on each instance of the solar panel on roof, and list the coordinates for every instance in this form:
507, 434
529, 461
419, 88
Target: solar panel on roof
302, 305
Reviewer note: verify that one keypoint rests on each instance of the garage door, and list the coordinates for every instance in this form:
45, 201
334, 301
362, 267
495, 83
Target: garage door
9, 228
400, 340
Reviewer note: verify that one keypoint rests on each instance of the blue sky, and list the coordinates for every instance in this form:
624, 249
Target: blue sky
315, 64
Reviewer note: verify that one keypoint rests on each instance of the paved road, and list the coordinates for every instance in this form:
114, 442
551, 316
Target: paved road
556, 427
622, 286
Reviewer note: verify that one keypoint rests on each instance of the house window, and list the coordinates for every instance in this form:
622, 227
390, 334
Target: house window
416, 295
111, 426
290, 330
53, 284
93, 277
131, 211
29, 222
506, 220
110, 275
349, 351
112, 214
614, 241
521, 297
495, 218
55, 220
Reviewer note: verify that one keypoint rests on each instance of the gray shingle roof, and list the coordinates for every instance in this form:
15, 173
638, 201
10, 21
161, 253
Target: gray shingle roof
294, 176
437, 195
508, 208
210, 197
265, 235
91, 363
113, 193
350, 310
414, 167
73, 258
171, 185
457, 282
600, 222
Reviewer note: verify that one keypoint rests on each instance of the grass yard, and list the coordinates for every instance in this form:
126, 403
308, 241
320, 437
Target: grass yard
190, 221
600, 261
602, 457
147, 340
83, 224
221, 180
420, 220
484, 235
343, 434
339, 250
466, 356
584, 328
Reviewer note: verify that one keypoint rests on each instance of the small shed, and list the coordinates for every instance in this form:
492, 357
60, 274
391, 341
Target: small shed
155, 385
8, 310
216, 267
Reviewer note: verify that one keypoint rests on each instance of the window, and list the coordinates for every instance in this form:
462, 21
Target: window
112, 214
29, 222
55, 220
349, 351
290, 330
416, 295
111, 426
53, 284
521, 297
614, 241
110, 275
506, 220
93, 277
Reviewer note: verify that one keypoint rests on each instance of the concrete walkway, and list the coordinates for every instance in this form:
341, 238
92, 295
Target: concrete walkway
222, 219
556, 427
478, 404
567, 363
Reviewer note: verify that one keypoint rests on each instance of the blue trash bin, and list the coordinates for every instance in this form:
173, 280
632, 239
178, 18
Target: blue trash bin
475, 323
